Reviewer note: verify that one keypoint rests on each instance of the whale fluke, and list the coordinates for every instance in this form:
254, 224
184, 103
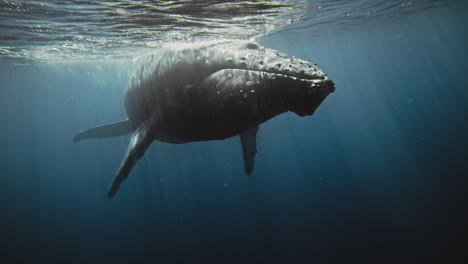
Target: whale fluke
111, 130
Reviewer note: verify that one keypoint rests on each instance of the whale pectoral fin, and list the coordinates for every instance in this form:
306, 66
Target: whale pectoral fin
140, 141
110, 130
249, 147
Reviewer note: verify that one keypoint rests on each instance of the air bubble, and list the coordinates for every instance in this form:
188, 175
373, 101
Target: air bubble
245, 95
248, 83
252, 91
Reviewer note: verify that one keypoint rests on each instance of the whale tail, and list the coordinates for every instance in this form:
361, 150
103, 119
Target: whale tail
111, 130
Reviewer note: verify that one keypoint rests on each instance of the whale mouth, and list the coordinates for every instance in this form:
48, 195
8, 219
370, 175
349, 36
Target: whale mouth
320, 82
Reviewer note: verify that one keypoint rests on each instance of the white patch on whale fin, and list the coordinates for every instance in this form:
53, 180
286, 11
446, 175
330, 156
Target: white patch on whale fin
249, 147
111, 130
140, 141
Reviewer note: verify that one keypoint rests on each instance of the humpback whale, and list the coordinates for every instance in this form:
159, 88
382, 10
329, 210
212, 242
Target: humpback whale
212, 90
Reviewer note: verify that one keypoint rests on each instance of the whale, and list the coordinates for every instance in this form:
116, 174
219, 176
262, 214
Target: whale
210, 90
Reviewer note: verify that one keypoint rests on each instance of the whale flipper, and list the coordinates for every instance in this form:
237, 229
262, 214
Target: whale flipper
140, 141
111, 130
249, 147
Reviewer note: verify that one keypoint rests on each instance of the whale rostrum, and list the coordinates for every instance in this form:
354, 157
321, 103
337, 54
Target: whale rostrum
213, 90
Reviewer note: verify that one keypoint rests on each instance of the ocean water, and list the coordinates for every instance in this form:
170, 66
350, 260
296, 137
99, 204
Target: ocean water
378, 173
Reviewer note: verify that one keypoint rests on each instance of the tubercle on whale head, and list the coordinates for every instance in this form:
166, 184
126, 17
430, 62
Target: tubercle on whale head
256, 57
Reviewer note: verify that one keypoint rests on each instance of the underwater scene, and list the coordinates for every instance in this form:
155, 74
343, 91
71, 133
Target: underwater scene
295, 131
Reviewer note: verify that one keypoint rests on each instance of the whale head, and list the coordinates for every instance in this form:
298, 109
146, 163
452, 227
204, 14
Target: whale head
297, 85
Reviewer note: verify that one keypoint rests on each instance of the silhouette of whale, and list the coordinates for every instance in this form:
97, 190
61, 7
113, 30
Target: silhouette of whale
211, 90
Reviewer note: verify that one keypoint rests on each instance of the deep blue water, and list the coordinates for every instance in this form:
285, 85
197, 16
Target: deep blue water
377, 173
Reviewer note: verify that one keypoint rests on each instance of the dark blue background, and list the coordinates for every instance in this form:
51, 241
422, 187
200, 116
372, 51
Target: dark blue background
379, 171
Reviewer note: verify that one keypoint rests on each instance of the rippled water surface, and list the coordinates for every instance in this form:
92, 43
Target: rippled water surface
54, 30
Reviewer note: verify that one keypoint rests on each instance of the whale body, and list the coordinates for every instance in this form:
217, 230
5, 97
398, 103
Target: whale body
213, 90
